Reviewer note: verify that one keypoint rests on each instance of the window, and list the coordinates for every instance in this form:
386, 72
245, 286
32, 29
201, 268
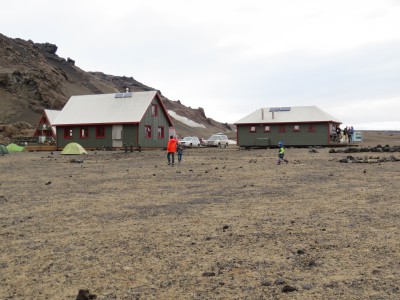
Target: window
100, 132
253, 129
147, 131
311, 128
296, 128
84, 132
282, 128
267, 129
154, 110
67, 133
160, 132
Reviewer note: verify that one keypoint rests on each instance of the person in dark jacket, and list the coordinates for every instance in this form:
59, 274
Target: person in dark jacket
338, 134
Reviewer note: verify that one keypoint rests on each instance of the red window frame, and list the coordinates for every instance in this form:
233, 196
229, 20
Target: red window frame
311, 128
154, 110
84, 132
100, 132
253, 129
160, 132
282, 128
67, 133
296, 129
147, 131
267, 128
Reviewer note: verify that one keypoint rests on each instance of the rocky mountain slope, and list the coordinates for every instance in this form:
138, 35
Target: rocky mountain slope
33, 77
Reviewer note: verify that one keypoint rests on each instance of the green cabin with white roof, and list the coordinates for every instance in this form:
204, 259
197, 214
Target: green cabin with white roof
114, 121
294, 126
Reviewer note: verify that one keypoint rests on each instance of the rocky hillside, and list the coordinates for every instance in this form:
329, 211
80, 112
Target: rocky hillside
33, 77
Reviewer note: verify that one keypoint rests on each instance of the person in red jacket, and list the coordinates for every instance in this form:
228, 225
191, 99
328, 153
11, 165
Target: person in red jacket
171, 149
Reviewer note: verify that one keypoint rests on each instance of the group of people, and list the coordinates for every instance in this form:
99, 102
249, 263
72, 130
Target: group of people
174, 146
346, 135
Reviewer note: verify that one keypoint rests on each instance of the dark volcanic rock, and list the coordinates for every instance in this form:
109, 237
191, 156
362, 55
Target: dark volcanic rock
47, 47
85, 295
288, 289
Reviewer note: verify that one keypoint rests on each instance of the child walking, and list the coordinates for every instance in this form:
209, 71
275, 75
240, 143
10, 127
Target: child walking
281, 154
179, 151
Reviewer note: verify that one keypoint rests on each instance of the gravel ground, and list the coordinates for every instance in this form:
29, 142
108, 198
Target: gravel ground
224, 224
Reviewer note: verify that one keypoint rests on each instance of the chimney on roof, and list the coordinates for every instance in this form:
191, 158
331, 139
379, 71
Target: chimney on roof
273, 114
262, 113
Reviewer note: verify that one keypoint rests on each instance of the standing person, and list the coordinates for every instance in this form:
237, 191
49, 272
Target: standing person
179, 151
171, 149
350, 133
338, 134
345, 132
281, 154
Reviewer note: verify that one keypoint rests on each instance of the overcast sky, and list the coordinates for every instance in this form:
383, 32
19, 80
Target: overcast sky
232, 57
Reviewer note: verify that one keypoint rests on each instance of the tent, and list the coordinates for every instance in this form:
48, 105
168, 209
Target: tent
3, 149
73, 148
14, 148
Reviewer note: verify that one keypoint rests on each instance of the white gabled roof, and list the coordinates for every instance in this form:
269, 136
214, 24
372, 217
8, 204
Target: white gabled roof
288, 115
105, 109
51, 116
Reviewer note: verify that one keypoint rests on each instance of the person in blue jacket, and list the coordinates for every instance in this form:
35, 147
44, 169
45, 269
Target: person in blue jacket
281, 155
179, 151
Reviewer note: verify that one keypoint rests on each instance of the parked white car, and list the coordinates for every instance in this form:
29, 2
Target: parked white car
190, 141
217, 140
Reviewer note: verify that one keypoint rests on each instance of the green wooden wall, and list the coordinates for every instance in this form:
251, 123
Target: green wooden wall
91, 142
131, 133
154, 122
303, 137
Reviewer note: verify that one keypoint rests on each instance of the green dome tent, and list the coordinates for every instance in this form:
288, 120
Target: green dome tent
73, 148
3, 149
14, 148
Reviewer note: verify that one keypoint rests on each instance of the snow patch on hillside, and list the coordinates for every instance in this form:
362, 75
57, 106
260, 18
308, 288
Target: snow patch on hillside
185, 120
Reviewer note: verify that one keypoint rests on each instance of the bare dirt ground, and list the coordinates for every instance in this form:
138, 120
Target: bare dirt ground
224, 224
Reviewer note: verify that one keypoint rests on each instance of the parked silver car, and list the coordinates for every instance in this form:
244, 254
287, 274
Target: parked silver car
190, 141
217, 140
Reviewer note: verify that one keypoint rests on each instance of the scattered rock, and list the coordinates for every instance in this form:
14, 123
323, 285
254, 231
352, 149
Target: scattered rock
288, 289
208, 274
266, 283
85, 295
76, 161
279, 281
378, 148
48, 182
369, 159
